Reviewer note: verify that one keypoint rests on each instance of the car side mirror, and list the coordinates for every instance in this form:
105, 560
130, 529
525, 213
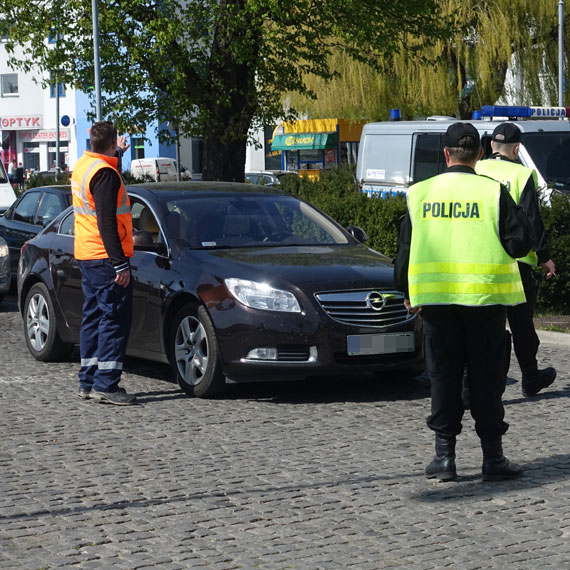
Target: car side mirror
358, 233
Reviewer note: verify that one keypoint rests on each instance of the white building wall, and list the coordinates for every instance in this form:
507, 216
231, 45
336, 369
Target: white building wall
28, 122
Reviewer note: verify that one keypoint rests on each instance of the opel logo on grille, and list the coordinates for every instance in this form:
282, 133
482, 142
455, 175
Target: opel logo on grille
375, 301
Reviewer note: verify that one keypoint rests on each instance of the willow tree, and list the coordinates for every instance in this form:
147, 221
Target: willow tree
457, 74
215, 68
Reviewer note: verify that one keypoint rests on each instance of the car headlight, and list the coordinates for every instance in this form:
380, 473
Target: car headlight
3, 249
262, 296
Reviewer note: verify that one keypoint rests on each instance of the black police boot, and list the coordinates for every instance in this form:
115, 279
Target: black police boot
496, 467
533, 382
443, 464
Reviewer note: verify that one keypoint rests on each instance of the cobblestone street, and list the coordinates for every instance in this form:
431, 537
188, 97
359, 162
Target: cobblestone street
307, 475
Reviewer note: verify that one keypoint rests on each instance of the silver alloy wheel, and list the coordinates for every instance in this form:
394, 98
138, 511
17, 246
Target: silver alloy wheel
37, 322
191, 350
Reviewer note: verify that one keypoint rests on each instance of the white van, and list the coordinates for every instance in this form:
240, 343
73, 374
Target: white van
157, 169
394, 155
7, 194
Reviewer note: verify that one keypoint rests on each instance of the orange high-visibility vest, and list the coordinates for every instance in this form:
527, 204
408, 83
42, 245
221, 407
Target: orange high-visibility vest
88, 242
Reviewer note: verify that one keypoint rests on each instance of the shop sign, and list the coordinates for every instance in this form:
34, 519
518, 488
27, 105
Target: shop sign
21, 122
44, 135
305, 141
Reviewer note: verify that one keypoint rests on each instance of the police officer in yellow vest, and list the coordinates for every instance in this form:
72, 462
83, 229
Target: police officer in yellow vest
103, 246
522, 184
455, 264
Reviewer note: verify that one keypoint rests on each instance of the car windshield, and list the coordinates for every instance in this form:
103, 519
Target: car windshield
254, 220
550, 152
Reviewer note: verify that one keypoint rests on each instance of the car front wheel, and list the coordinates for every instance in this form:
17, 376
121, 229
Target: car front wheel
194, 353
40, 329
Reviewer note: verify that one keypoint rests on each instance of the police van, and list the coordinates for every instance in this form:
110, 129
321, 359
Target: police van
393, 155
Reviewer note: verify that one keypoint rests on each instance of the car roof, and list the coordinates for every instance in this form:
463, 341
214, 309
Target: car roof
204, 188
64, 188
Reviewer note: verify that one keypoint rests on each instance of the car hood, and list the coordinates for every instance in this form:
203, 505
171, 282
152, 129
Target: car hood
316, 268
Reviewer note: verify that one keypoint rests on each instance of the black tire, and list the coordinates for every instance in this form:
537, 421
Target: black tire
194, 353
40, 329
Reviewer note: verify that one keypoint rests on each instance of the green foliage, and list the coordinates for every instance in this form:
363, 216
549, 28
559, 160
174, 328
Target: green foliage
335, 194
461, 74
554, 294
38, 179
214, 68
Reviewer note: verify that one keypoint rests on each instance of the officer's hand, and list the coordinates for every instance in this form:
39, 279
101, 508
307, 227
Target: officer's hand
415, 310
550, 268
122, 143
123, 278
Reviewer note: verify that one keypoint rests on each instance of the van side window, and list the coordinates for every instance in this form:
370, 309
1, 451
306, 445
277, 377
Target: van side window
428, 157
387, 158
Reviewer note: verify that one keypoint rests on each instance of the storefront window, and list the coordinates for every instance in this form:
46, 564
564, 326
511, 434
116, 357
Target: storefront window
9, 84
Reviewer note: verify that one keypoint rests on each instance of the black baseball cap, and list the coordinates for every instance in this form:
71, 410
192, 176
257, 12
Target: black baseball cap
458, 131
507, 133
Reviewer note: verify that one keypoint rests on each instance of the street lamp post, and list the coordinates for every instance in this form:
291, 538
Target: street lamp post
95, 11
561, 53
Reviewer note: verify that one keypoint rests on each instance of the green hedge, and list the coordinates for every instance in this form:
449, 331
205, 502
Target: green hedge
554, 296
335, 193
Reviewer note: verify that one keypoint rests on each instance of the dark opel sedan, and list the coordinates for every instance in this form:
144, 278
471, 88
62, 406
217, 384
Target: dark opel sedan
231, 281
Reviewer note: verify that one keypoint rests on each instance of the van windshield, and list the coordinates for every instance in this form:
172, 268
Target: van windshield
550, 152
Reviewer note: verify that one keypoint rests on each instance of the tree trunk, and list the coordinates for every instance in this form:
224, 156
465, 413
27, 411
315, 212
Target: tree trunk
231, 100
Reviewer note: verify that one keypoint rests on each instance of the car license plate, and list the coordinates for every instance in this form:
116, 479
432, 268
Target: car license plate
362, 344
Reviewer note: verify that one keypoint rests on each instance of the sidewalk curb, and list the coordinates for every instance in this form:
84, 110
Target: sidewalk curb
551, 337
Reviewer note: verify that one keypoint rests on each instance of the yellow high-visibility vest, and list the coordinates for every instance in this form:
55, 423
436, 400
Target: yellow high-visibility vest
456, 256
515, 177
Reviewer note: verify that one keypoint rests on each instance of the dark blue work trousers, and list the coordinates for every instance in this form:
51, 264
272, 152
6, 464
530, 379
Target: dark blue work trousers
105, 327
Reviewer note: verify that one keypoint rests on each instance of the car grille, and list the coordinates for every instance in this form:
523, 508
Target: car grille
368, 308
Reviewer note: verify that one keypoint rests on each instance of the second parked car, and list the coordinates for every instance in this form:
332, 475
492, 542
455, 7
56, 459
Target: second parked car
31, 212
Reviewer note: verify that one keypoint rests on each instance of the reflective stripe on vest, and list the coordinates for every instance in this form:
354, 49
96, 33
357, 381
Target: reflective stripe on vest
456, 256
514, 177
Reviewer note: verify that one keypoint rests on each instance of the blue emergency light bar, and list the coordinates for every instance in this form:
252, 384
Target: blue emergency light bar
525, 112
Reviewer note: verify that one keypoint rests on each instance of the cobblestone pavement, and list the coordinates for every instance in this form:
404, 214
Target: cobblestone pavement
313, 475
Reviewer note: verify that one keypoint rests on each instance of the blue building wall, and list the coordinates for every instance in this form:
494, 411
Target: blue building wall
152, 147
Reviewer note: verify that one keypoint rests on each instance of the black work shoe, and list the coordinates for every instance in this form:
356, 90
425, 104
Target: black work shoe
500, 469
442, 469
119, 398
543, 379
83, 393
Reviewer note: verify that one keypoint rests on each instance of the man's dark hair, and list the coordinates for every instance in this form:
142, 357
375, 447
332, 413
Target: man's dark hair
467, 151
103, 135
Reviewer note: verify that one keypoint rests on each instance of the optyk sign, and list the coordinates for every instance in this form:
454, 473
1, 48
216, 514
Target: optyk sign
21, 122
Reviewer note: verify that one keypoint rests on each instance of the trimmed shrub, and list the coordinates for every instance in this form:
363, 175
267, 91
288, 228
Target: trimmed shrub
554, 296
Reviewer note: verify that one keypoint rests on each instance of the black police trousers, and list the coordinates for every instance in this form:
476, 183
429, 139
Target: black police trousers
457, 337
525, 339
